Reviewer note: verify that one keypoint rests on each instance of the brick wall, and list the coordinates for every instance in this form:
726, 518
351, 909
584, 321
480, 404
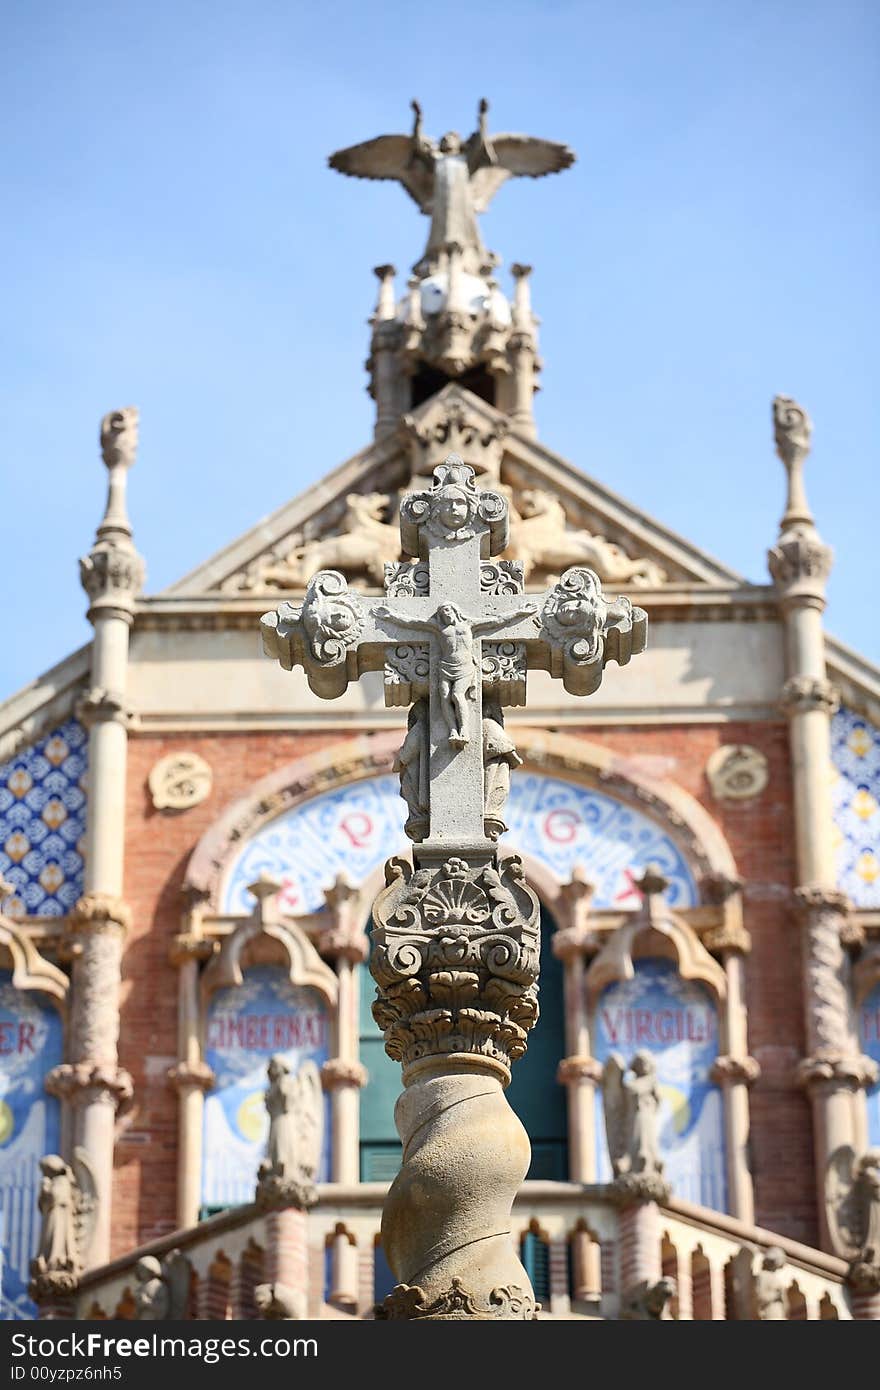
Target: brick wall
759, 832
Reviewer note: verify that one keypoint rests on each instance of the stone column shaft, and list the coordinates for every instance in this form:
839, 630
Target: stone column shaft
112, 575
833, 1071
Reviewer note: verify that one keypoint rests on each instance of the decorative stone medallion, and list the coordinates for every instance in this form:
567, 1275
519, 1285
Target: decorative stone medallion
737, 772
179, 781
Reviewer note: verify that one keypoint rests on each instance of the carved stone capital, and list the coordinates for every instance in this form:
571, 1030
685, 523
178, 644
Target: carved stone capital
803, 693
46, 1284
819, 897
638, 1187
185, 1076
834, 1070
567, 943
735, 1071
799, 565
100, 912
728, 937
83, 1083
573, 1069
112, 575
719, 888
275, 1192
456, 960
410, 1302
344, 941
97, 706
338, 1073
188, 946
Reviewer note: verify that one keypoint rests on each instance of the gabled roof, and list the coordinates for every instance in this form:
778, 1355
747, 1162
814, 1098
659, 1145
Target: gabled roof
525, 464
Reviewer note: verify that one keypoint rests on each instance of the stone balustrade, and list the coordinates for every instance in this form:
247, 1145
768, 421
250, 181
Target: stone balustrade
232, 1253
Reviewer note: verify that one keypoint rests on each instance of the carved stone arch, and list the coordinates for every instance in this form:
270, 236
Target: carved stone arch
269, 942
662, 933
371, 755
30, 969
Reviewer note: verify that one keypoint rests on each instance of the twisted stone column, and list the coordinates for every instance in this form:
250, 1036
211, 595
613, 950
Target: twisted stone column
456, 1007
834, 1072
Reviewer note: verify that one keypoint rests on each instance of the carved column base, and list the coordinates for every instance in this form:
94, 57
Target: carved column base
446, 1227
456, 958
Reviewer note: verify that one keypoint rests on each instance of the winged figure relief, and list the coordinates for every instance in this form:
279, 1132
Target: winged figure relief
852, 1204
451, 180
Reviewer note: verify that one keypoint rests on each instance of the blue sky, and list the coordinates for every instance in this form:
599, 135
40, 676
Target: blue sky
172, 238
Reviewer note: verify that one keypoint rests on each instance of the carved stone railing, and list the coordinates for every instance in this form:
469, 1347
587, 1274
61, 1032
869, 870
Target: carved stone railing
703, 1251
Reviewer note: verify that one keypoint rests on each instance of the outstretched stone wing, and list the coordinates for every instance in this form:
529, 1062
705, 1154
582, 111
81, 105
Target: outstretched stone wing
617, 1110
517, 156
388, 157
86, 1202
310, 1115
843, 1203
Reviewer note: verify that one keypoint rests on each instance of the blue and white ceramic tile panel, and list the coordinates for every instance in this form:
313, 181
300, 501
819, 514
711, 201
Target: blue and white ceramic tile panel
355, 829
43, 823
855, 754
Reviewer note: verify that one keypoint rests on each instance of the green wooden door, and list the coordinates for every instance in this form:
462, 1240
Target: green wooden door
534, 1093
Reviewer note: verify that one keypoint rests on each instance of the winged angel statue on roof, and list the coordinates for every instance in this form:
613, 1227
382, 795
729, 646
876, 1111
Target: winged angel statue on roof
452, 180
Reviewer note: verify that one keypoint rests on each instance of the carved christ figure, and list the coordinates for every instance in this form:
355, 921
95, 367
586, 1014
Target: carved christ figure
452, 180
456, 633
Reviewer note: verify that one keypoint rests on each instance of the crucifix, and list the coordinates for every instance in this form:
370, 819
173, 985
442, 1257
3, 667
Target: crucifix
456, 929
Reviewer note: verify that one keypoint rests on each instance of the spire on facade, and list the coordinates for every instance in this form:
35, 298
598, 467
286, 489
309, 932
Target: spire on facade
454, 323
799, 562
112, 573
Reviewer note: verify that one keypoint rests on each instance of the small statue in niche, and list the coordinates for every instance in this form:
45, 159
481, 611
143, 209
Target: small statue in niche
456, 635
67, 1202
411, 763
162, 1288
296, 1131
499, 759
632, 1107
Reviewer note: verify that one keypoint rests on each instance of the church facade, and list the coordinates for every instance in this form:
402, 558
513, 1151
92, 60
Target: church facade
191, 841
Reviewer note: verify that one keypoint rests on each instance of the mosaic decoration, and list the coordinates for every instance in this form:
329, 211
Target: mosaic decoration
869, 1033
355, 829
246, 1025
855, 754
676, 1021
30, 1126
43, 823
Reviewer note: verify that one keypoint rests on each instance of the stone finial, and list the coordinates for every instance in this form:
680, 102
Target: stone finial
800, 562
792, 430
385, 305
112, 574
653, 883
522, 298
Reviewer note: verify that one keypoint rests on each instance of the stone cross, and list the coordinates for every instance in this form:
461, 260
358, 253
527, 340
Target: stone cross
454, 627
456, 938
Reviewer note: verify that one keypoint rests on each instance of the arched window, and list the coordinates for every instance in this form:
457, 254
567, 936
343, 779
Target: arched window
676, 1021
31, 1044
245, 1025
